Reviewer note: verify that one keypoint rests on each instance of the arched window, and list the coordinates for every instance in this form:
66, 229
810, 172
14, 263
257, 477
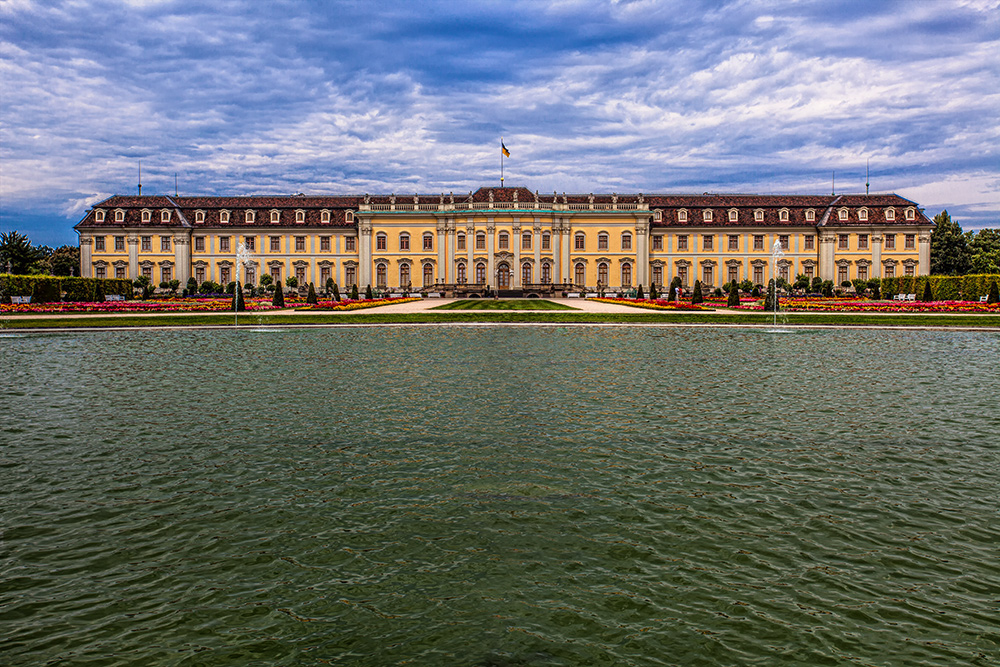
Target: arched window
602, 241
504, 241
119, 215
480, 273
579, 274
199, 216
657, 275
546, 273
380, 241
682, 215
602, 273
461, 274
526, 241
783, 215
380, 276
525, 273
145, 216
300, 216
404, 275
98, 216
734, 215
276, 216
324, 216
165, 216
707, 215
626, 275
428, 275
626, 241
224, 216
580, 241
404, 241
250, 216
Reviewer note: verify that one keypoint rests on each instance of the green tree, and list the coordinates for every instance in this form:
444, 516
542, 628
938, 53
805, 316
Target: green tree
928, 292
354, 292
278, 301
292, 281
266, 280
16, 249
994, 295
311, 296
336, 292
639, 293
192, 285
985, 247
368, 292
696, 295
734, 295
950, 252
330, 285
817, 285
239, 305
65, 261
771, 300
653, 294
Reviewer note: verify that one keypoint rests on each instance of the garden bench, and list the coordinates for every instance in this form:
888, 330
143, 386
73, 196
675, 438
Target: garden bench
911, 297
113, 297
983, 299
20, 299
592, 295
572, 295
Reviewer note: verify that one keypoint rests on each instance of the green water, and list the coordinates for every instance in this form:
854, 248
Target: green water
500, 496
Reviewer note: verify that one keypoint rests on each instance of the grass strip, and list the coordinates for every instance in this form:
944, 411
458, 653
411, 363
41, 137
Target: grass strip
503, 317
503, 304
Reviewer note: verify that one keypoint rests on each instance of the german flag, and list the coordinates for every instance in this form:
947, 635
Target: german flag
503, 149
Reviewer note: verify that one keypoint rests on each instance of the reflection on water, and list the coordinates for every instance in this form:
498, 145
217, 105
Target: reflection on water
500, 496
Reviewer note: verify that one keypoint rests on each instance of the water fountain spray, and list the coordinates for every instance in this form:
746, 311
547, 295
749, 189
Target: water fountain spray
776, 254
243, 257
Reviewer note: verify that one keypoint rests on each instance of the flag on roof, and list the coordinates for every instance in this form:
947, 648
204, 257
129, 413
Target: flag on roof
504, 148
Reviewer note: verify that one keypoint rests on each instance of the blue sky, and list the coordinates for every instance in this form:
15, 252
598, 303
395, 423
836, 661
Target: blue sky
245, 96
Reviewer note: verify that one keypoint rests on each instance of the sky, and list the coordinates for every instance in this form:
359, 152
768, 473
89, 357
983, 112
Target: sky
235, 97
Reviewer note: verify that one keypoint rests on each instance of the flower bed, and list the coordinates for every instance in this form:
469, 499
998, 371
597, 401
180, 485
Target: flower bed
348, 304
151, 306
862, 306
656, 304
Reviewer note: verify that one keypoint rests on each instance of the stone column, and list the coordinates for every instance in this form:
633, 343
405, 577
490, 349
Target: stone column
876, 256
827, 267
470, 249
491, 269
536, 243
133, 256
567, 240
448, 271
924, 256
441, 270
182, 257
86, 257
364, 253
515, 232
642, 252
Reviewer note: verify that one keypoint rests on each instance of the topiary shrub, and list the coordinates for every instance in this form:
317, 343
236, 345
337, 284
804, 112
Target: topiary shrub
368, 292
828, 288
311, 296
755, 293
239, 304
928, 293
696, 295
278, 301
639, 293
192, 285
330, 285
336, 292
771, 300
994, 293
734, 295
354, 292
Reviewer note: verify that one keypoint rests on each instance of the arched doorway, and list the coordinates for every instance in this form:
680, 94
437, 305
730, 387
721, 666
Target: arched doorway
503, 275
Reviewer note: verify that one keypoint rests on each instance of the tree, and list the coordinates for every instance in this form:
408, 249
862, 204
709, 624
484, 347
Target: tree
817, 285
173, 285
278, 301
696, 295
827, 288
368, 292
928, 293
638, 293
192, 285
311, 296
330, 286
653, 294
336, 292
801, 282
65, 261
354, 292
994, 295
239, 305
950, 252
734, 295
985, 247
292, 281
771, 300
266, 280
17, 250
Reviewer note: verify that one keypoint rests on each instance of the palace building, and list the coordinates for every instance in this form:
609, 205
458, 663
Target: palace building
510, 238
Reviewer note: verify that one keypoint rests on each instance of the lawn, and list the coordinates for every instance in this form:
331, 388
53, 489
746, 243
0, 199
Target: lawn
503, 304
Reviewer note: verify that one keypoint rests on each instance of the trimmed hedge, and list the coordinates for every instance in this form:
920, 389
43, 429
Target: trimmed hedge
944, 288
49, 289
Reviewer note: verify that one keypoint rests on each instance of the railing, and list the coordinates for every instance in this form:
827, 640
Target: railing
504, 205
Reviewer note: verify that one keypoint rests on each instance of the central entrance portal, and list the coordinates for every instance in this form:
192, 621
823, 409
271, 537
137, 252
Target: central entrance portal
503, 275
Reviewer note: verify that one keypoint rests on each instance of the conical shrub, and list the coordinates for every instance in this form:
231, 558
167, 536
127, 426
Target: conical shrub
279, 297
994, 295
734, 295
696, 295
311, 296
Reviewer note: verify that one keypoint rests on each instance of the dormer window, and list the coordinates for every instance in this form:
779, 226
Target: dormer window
199, 216
758, 215
349, 216
890, 214
734, 215
657, 215
98, 215
300, 216
146, 215
324, 216
119, 215
275, 217
810, 215
224, 216
165, 216
863, 214
682, 215
250, 216
706, 215
783, 215
911, 214
842, 214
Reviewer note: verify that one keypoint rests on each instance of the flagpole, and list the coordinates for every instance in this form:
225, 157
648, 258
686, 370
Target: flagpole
501, 162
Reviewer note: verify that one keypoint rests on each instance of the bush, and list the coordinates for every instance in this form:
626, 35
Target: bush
278, 301
994, 294
330, 285
639, 293
46, 290
311, 296
292, 281
928, 292
266, 280
755, 293
231, 288
192, 285
827, 287
368, 292
746, 286
336, 292
653, 294
239, 304
696, 295
817, 285
354, 292
734, 295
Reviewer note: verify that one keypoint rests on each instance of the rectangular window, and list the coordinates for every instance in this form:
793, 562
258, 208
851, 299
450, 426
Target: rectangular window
350, 244
324, 245
120, 272
199, 244
224, 244
300, 274
324, 275
890, 241
890, 270
275, 243
734, 273
658, 242
910, 243
841, 275
525, 241
602, 242
503, 242
300, 244
199, 275
164, 244
166, 274
809, 242
682, 273
404, 242
100, 272
708, 242
147, 271
250, 242
119, 243
862, 273
783, 240
842, 242
758, 275
350, 274
428, 242
546, 242
682, 242
224, 275
908, 270
758, 241
706, 275
460, 241
734, 242
580, 240
480, 241
626, 241
146, 243
809, 271
862, 242
99, 243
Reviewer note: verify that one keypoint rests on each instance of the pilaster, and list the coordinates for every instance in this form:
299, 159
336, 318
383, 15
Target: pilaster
132, 241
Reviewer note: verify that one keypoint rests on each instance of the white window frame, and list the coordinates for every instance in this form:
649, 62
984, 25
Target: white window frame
734, 215
99, 215
682, 215
758, 215
707, 215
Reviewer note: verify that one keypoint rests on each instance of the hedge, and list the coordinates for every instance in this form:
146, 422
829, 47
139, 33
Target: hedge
945, 288
46, 289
